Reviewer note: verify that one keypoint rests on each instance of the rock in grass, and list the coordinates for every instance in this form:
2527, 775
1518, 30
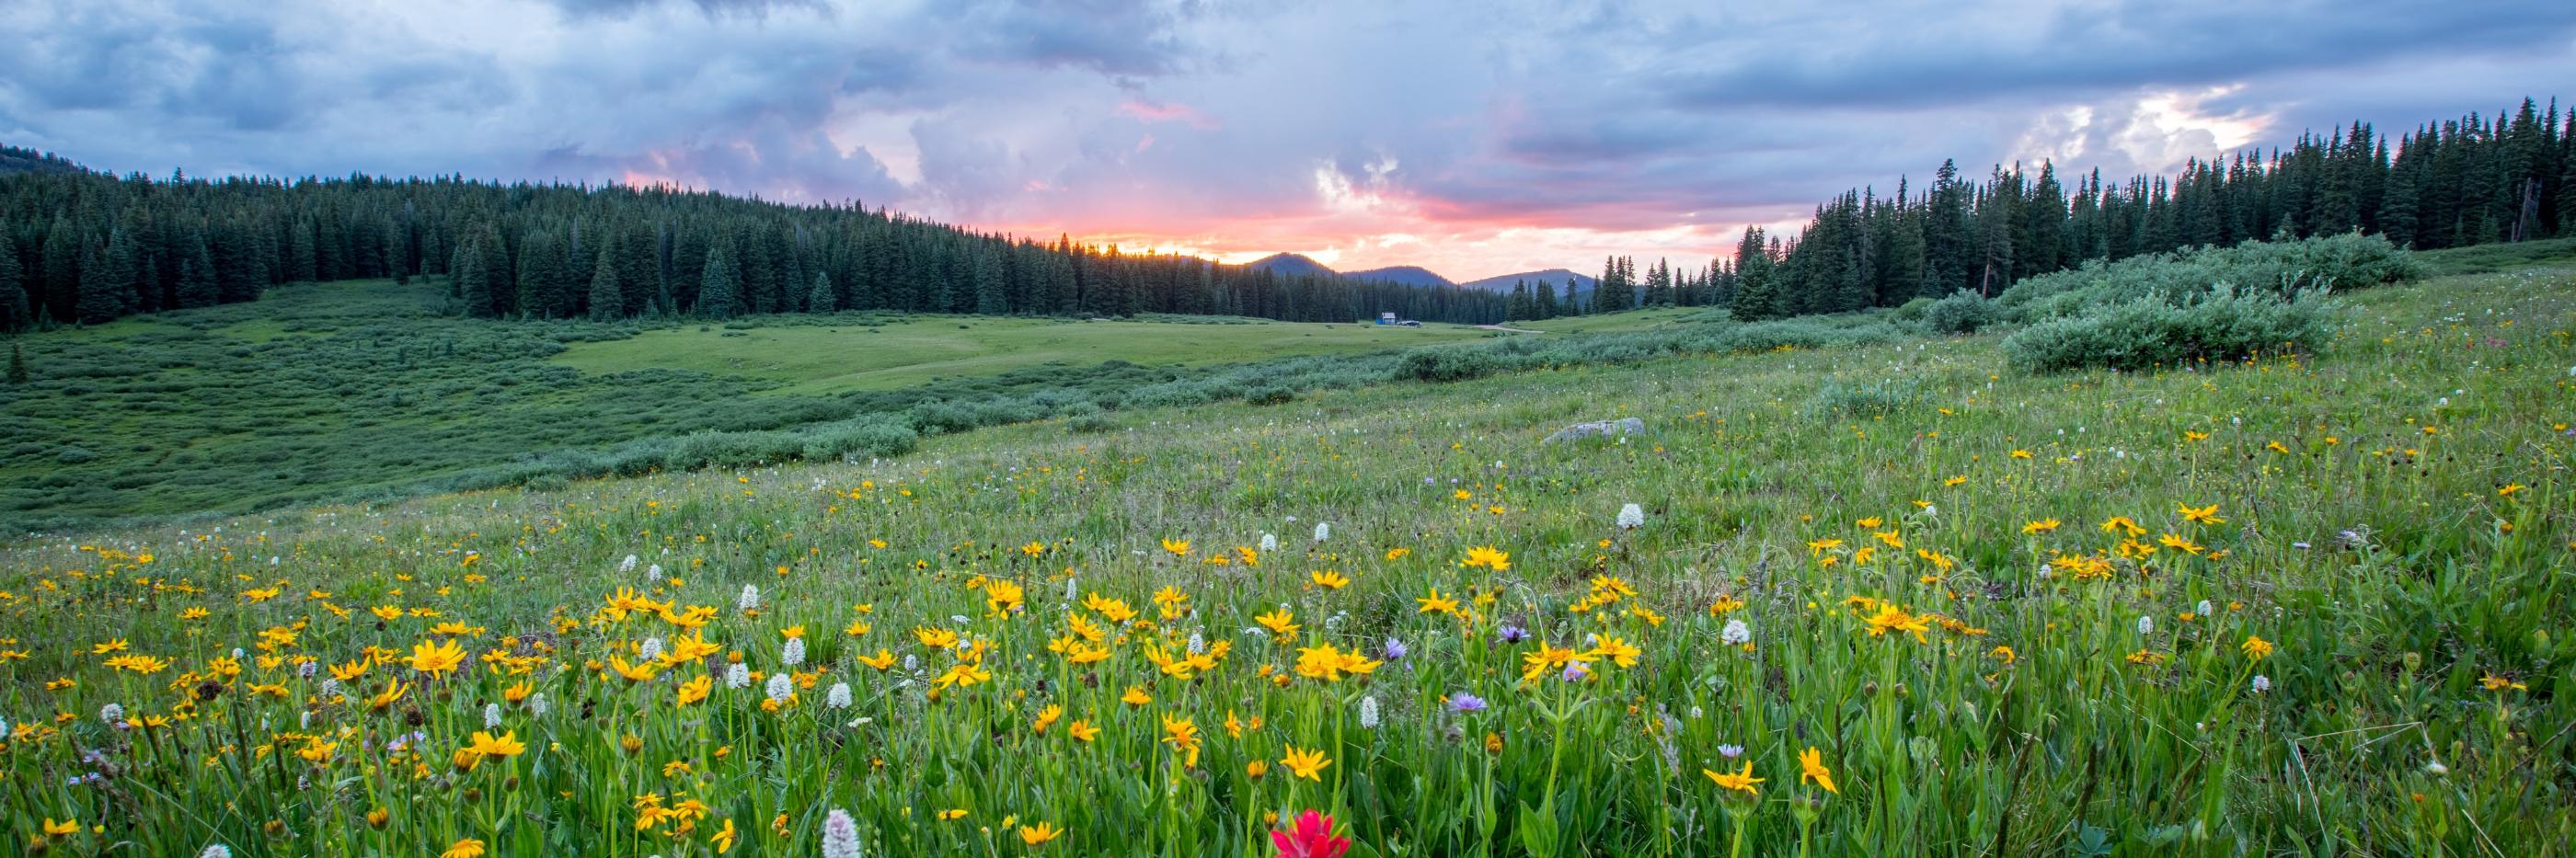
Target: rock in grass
1598, 429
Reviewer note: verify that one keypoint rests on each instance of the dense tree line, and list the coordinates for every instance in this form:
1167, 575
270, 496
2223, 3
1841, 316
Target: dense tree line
86, 247
2473, 180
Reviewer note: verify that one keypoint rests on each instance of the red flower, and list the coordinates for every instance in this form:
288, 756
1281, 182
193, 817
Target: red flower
1313, 838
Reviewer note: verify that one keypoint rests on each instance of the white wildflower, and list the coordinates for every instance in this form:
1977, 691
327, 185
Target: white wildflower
2262, 683
1368, 712
1736, 633
112, 714
628, 564
750, 598
1269, 542
1323, 530
653, 574
781, 686
491, 716
840, 835
838, 697
2202, 609
794, 653
737, 676
216, 851
651, 649
537, 704
2146, 625
1631, 517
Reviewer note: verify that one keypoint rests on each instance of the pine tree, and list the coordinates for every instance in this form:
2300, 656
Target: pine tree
300, 241
17, 365
720, 296
17, 312
60, 272
197, 286
107, 280
991, 295
607, 300
470, 283
545, 287
821, 299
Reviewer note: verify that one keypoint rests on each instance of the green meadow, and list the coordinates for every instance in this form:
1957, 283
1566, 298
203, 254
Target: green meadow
1884, 597
830, 356
335, 391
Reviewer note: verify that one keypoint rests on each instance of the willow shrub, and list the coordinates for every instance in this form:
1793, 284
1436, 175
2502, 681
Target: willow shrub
2283, 268
2156, 331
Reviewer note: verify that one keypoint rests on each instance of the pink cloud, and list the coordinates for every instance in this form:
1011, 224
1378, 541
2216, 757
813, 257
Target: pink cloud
1173, 112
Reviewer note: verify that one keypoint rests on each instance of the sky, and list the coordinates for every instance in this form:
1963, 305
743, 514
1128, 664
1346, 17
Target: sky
1472, 137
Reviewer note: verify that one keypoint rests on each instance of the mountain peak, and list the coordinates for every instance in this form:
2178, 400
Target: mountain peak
1554, 277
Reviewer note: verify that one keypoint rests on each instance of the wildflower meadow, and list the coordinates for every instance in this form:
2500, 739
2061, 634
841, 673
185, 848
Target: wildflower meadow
1888, 599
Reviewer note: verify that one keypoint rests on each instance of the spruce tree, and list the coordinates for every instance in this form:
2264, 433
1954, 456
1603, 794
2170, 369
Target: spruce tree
197, 287
990, 297
607, 301
107, 281
720, 296
820, 298
17, 365
471, 284
17, 312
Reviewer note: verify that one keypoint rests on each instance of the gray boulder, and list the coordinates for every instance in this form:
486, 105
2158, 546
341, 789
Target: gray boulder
1598, 429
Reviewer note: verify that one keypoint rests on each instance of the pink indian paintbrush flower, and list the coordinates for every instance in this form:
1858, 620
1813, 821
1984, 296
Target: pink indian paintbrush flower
1312, 837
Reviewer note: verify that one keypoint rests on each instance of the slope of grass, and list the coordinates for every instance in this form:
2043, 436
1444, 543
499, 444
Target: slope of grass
2491, 258
364, 388
2302, 606
833, 357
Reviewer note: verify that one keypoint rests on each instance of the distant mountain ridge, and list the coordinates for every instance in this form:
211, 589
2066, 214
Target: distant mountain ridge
1554, 277
1289, 264
1410, 275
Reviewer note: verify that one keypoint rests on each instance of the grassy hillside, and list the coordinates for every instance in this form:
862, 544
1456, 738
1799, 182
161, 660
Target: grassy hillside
366, 389
834, 357
2302, 605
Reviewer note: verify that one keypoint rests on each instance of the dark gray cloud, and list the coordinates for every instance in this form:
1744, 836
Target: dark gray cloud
1351, 125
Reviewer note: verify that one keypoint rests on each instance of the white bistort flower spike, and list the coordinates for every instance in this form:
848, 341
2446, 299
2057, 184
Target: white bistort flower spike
840, 835
737, 676
1323, 530
1631, 517
750, 599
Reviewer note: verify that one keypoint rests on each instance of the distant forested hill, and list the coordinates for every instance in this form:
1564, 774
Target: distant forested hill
14, 160
85, 247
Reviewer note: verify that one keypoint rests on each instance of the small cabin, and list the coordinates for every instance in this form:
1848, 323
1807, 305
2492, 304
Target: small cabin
1386, 318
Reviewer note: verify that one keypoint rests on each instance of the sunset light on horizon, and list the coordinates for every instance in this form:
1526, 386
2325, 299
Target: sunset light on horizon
1360, 135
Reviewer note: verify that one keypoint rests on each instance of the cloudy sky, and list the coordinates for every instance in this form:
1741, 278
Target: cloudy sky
1474, 137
